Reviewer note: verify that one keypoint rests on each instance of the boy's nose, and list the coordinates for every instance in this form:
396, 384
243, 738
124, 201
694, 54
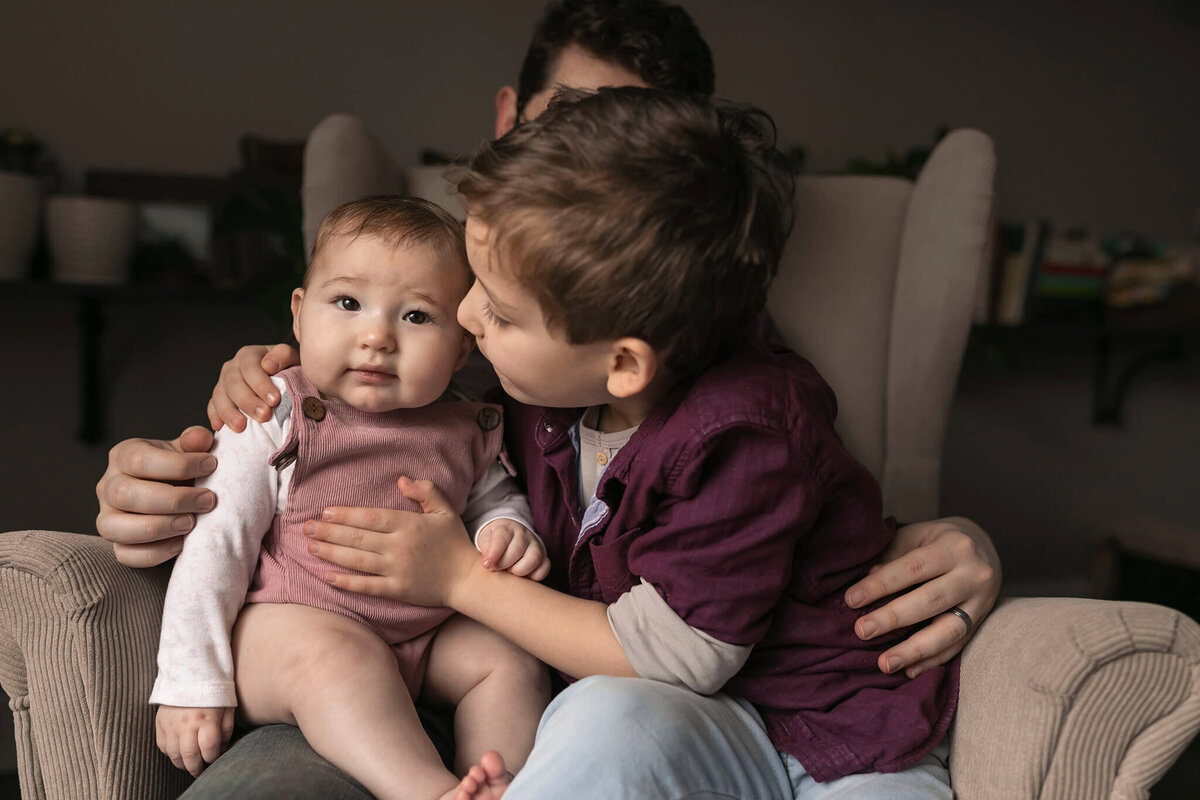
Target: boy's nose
467, 316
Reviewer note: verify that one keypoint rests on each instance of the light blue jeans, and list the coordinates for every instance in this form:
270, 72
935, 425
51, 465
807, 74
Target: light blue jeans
631, 738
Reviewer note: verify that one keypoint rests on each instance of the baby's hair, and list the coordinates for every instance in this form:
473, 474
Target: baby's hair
400, 221
635, 212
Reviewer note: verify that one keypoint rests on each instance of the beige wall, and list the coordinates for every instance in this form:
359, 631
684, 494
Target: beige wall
1094, 113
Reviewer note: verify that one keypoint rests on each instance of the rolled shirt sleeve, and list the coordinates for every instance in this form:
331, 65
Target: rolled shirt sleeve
662, 647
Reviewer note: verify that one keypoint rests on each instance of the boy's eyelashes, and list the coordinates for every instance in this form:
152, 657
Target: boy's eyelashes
492, 317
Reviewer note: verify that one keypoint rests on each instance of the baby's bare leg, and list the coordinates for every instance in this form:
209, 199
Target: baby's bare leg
340, 684
500, 692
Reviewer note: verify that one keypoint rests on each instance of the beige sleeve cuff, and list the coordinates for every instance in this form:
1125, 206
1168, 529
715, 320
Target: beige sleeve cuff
662, 647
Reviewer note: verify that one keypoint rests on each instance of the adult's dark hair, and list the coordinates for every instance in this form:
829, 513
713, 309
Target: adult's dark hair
636, 212
656, 41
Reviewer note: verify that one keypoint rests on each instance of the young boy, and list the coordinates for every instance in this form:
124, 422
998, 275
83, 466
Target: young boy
376, 323
702, 517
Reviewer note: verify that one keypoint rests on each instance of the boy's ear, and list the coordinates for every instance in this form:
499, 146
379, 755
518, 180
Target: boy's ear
297, 300
632, 365
468, 344
506, 110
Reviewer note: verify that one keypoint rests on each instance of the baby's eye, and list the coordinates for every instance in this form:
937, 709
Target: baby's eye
346, 304
416, 317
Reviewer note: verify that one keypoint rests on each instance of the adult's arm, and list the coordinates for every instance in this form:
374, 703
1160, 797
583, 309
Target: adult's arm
147, 502
937, 565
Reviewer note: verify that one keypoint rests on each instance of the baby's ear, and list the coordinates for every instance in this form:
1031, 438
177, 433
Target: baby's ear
632, 365
297, 301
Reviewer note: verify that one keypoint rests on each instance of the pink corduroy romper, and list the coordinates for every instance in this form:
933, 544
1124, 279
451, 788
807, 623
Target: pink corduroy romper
348, 457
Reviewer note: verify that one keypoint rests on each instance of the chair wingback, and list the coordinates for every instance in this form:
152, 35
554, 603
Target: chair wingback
876, 288
944, 251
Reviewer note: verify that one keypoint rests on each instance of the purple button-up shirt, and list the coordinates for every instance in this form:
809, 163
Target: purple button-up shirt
738, 502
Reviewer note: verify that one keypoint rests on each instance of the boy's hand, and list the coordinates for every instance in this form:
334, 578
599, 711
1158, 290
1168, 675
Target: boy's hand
193, 737
245, 388
507, 545
146, 498
416, 557
938, 565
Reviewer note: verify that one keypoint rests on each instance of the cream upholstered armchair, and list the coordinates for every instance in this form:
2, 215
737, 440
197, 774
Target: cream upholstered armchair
1061, 698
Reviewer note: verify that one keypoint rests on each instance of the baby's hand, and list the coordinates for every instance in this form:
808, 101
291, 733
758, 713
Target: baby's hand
509, 545
193, 737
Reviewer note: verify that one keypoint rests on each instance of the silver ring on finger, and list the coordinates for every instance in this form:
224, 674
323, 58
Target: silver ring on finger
964, 616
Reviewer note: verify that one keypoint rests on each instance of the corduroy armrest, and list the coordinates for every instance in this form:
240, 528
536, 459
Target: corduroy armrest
78, 639
1075, 699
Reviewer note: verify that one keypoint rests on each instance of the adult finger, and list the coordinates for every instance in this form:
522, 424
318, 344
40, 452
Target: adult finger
156, 460
149, 554
915, 567
934, 644
920, 604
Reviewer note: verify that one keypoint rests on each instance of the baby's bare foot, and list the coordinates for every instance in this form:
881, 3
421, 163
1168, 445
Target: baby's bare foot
487, 780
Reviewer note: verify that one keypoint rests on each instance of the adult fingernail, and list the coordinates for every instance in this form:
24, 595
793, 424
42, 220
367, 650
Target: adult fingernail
260, 413
312, 548
867, 629
893, 664
206, 502
914, 672
208, 464
272, 398
182, 523
854, 598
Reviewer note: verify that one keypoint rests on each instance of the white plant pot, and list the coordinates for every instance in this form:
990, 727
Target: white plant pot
20, 204
90, 238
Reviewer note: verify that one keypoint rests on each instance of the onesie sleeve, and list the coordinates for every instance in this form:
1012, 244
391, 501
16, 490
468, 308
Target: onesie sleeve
212, 573
497, 496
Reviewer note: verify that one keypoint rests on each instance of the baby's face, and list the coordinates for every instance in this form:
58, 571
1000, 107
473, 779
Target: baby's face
377, 325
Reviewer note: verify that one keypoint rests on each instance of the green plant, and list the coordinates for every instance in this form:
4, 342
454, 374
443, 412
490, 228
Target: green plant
21, 151
907, 165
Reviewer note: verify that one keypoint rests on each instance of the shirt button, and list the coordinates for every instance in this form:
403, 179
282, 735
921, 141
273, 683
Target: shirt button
601, 459
549, 428
313, 408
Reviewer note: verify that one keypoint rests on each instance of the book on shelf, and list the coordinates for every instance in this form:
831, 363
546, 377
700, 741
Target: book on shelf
1020, 250
1049, 273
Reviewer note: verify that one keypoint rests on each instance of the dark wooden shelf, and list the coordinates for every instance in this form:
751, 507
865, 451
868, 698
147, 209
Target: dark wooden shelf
91, 302
1125, 340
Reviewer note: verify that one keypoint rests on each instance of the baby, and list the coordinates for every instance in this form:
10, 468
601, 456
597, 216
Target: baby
251, 622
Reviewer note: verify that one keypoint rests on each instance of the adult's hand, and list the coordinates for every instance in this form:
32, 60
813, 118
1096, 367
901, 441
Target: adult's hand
951, 563
147, 504
245, 388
